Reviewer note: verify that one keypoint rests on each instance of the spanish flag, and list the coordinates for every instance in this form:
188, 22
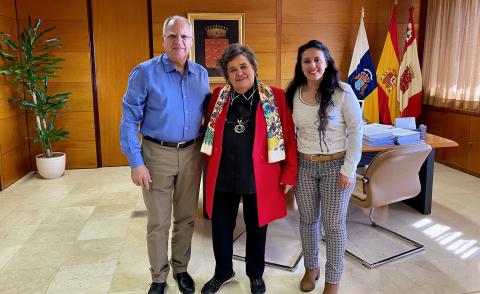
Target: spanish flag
387, 74
362, 77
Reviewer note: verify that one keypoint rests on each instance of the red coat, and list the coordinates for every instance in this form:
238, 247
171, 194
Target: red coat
268, 176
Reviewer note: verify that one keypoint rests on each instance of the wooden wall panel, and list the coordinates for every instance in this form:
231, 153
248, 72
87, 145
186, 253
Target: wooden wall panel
460, 127
334, 11
75, 68
8, 109
81, 98
8, 9
260, 37
474, 145
267, 66
14, 132
80, 154
71, 10
80, 124
71, 25
15, 164
121, 42
458, 130
402, 17
9, 25
13, 125
337, 37
3, 79
157, 28
435, 122
255, 11
72, 34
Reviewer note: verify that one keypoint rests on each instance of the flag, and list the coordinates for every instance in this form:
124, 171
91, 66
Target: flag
387, 73
409, 83
362, 77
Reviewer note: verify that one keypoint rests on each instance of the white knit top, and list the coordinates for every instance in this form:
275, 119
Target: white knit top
343, 131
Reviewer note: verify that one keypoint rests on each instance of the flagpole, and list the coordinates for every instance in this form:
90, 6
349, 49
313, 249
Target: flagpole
363, 9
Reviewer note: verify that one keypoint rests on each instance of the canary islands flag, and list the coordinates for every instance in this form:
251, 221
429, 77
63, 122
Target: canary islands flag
362, 77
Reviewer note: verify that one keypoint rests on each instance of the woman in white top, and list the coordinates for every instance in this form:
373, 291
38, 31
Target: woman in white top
328, 124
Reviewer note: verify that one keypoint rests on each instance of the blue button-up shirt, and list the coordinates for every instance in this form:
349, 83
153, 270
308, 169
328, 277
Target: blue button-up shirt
167, 105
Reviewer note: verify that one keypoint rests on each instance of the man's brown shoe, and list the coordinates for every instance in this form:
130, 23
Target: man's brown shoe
307, 283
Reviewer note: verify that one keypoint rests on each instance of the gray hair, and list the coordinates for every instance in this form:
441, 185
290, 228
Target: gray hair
172, 19
233, 51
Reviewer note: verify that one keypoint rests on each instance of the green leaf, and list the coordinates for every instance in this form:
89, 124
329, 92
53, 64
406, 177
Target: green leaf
37, 25
10, 44
43, 33
52, 40
8, 56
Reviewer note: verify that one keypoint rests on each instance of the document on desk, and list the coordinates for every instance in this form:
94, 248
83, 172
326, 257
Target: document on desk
378, 135
405, 123
403, 136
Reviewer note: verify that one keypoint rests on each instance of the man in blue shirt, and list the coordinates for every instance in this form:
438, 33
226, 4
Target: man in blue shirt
165, 101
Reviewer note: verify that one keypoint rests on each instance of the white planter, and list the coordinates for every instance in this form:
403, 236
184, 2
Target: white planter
51, 168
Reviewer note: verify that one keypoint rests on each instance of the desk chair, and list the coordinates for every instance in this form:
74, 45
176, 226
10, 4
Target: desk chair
392, 176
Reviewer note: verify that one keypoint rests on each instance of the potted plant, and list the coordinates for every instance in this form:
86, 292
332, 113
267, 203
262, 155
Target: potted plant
30, 65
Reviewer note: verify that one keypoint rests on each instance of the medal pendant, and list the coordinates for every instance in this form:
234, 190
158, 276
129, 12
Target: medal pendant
239, 127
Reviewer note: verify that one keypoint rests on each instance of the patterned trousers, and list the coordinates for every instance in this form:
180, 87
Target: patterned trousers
319, 198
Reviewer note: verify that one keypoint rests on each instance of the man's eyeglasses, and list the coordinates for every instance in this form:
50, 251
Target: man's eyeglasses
172, 37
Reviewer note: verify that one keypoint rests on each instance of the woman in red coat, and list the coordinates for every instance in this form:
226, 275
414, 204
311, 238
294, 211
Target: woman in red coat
251, 154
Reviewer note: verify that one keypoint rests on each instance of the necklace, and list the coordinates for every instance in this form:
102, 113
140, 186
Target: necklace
302, 98
240, 126
243, 95
241, 122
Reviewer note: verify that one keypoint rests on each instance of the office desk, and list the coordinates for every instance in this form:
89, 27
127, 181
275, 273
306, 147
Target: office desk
423, 202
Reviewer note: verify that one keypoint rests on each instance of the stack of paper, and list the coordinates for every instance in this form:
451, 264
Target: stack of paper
378, 135
403, 136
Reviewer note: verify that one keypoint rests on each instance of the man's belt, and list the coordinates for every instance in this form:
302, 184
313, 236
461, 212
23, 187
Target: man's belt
323, 157
178, 145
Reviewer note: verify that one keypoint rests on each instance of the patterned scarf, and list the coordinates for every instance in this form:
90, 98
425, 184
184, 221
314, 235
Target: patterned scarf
276, 147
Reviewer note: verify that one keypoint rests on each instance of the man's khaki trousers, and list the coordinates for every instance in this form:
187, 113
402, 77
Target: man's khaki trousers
175, 183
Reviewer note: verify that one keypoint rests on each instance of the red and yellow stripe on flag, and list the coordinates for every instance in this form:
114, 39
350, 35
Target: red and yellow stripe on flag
370, 107
387, 74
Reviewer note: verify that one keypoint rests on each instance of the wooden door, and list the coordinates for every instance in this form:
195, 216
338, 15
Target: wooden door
120, 29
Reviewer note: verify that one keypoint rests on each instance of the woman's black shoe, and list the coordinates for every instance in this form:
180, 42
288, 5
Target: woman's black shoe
215, 284
257, 286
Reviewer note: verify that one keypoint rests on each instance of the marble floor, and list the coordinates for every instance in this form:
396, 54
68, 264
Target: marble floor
85, 233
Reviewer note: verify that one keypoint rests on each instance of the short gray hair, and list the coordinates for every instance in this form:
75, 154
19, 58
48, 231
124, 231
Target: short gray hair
233, 51
173, 19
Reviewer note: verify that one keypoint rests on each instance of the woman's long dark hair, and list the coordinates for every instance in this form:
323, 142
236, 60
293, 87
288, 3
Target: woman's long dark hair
326, 88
